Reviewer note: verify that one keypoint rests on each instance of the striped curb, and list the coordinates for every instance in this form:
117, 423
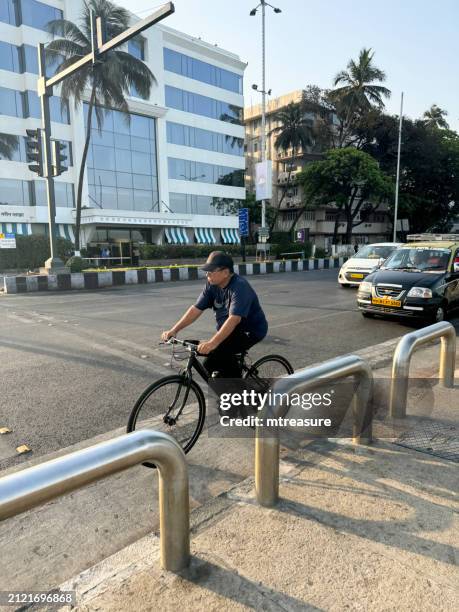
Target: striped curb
117, 278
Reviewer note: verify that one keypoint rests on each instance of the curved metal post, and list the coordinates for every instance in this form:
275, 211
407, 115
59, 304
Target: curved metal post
402, 359
39, 484
267, 446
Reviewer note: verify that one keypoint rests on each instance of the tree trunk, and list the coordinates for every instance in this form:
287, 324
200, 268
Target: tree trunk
335, 229
81, 175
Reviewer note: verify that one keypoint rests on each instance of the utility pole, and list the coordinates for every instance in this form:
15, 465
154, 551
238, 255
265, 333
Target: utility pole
263, 101
253, 12
45, 91
397, 182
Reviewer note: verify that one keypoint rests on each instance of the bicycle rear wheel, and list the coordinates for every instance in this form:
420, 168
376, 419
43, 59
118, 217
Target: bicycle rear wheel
171, 405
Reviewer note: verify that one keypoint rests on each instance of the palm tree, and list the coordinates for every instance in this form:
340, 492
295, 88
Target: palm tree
294, 132
8, 145
435, 118
358, 92
108, 81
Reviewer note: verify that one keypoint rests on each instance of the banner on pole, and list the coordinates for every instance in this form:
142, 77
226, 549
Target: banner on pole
264, 180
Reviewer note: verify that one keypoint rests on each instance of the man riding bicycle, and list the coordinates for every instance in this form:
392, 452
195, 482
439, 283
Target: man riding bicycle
241, 322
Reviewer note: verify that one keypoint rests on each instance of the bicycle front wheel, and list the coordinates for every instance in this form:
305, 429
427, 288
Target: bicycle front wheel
171, 405
269, 366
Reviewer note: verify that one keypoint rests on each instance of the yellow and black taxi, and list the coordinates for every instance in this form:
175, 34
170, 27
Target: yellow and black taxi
419, 280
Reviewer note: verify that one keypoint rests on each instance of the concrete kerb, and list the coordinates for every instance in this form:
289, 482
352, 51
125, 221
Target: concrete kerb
102, 279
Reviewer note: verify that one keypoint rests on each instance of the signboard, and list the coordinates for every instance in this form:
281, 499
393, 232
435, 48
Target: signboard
7, 241
244, 221
300, 235
403, 225
264, 180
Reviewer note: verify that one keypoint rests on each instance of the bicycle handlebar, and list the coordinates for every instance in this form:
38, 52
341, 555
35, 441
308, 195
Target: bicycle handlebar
188, 345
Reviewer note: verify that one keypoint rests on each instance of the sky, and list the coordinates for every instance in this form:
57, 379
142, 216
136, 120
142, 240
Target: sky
415, 42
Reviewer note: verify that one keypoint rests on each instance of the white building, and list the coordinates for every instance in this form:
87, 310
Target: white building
156, 180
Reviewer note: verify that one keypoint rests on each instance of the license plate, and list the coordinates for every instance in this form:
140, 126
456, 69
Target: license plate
386, 302
356, 275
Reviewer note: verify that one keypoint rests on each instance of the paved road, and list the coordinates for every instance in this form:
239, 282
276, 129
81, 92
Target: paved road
72, 366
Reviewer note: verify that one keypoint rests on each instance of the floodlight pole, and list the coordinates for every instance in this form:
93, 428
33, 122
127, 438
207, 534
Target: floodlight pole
263, 101
397, 182
45, 91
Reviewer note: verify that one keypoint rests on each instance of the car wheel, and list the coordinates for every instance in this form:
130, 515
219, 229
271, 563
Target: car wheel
344, 286
438, 315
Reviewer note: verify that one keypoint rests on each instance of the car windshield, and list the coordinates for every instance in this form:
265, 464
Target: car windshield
371, 251
418, 259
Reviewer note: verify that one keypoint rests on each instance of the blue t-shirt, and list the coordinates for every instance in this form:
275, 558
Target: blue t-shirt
237, 298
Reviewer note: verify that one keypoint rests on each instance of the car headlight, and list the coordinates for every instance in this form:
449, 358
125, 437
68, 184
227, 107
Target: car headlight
420, 292
365, 287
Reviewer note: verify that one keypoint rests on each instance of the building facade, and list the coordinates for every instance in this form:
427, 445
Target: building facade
317, 224
166, 175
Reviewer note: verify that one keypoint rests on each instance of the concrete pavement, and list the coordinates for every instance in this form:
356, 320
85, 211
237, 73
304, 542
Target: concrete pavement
361, 528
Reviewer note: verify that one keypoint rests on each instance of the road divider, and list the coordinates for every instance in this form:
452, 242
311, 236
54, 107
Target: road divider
116, 278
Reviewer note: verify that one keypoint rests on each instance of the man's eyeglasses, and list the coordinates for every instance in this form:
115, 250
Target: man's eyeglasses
216, 270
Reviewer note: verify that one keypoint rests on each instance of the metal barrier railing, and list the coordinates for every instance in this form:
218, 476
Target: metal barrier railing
267, 447
402, 358
39, 484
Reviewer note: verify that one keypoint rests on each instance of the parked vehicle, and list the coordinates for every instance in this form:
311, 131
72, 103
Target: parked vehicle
369, 257
419, 280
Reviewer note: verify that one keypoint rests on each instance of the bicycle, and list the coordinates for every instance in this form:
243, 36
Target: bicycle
176, 404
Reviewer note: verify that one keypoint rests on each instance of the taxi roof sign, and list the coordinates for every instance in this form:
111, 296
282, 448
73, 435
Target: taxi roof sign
432, 237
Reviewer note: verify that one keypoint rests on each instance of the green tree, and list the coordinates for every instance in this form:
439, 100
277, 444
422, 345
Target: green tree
9, 144
109, 80
435, 118
349, 180
356, 92
429, 177
295, 132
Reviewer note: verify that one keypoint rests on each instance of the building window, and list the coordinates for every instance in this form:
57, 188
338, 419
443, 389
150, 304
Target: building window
11, 103
64, 194
204, 139
9, 57
37, 15
136, 47
202, 105
7, 12
202, 205
14, 192
122, 166
331, 216
58, 112
202, 71
185, 170
26, 104
309, 215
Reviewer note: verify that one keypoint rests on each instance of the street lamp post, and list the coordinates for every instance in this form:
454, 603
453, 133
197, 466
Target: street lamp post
253, 12
397, 181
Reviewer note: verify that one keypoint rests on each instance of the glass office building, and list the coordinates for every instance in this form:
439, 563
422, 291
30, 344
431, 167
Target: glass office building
171, 169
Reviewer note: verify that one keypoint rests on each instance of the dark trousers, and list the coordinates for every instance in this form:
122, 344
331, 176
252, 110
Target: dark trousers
223, 359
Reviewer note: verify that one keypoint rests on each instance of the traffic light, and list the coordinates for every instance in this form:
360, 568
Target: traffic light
34, 151
58, 159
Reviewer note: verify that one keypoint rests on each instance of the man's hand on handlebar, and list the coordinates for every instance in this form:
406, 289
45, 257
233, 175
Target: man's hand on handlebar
167, 334
204, 348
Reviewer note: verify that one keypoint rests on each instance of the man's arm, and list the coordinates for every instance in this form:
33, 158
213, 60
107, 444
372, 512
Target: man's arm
225, 330
188, 318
